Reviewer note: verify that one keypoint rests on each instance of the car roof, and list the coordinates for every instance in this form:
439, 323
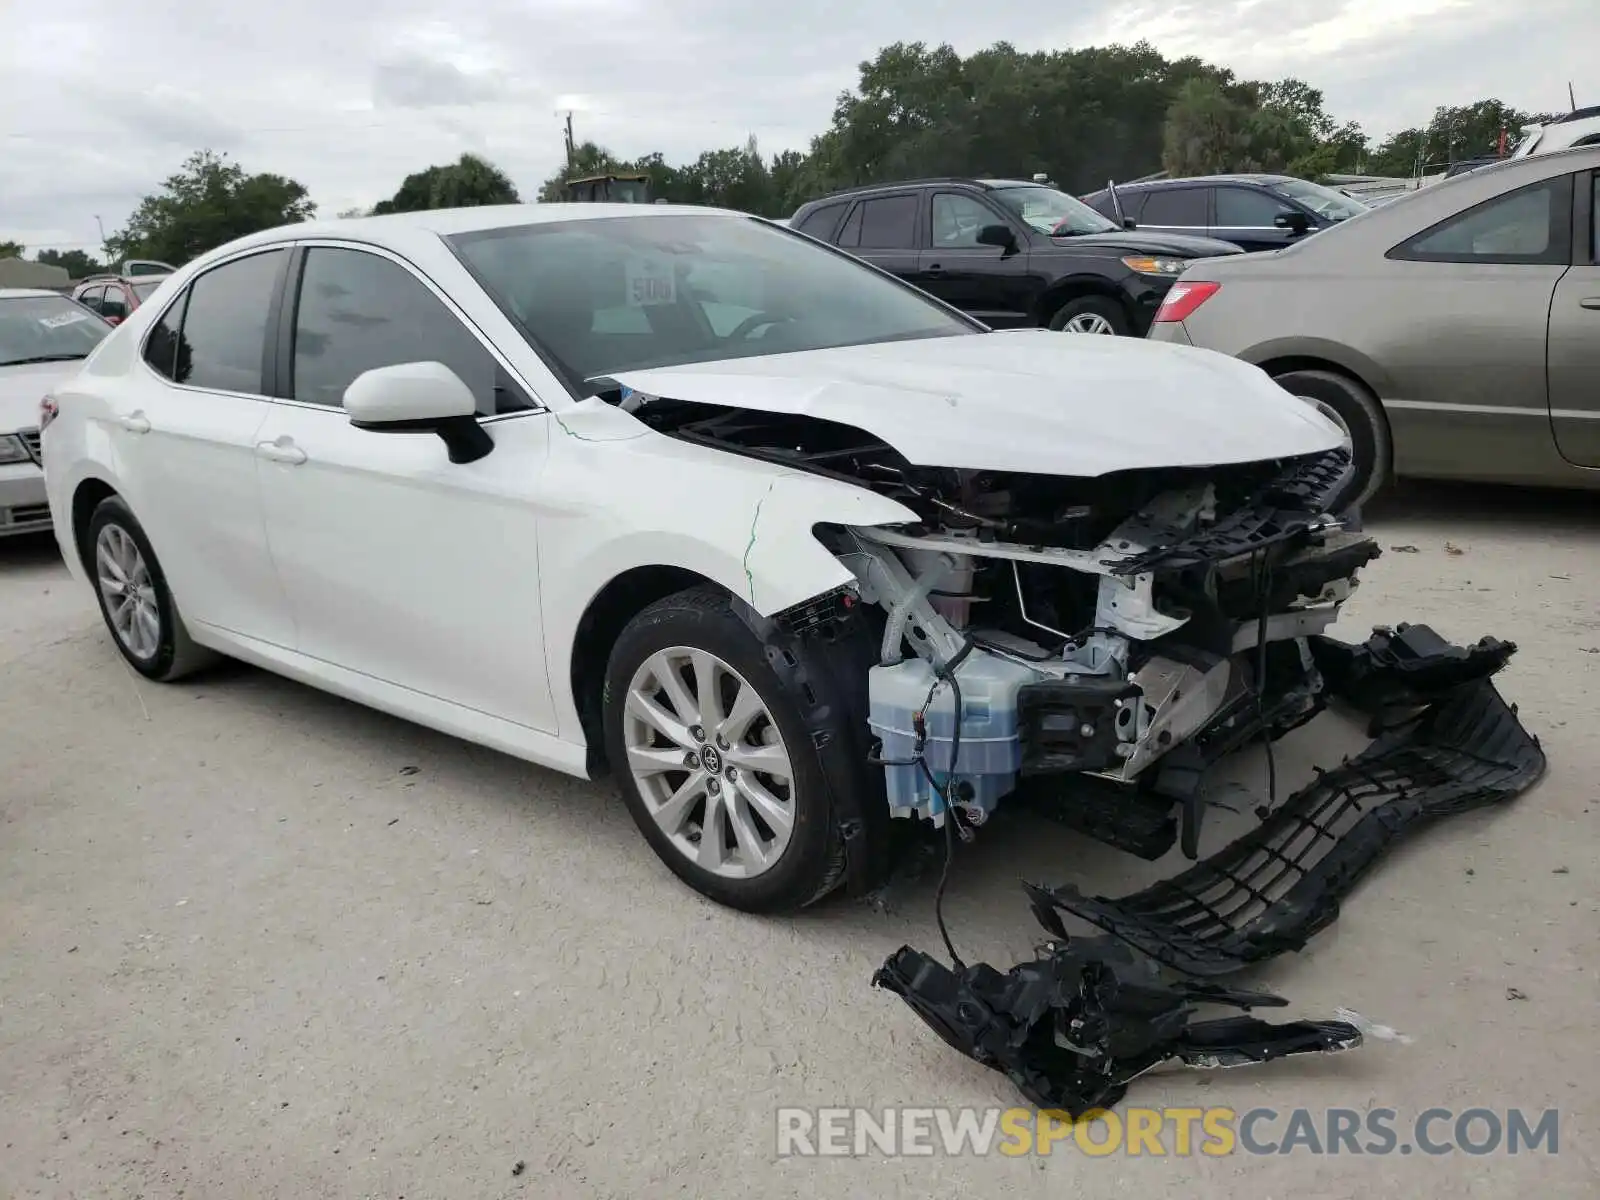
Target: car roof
401, 230
1186, 180
930, 181
15, 293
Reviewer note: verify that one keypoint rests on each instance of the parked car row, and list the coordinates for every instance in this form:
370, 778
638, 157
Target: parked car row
1452, 333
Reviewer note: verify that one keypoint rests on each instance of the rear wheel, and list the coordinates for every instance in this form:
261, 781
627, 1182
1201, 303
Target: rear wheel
134, 598
1358, 414
716, 765
1092, 314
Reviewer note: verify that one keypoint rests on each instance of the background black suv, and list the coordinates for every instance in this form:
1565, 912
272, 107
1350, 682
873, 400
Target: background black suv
1257, 212
1009, 253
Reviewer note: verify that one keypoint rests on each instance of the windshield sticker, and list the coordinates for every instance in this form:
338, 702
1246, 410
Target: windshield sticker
60, 319
651, 281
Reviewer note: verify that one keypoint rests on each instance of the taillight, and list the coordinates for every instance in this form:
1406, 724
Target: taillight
1184, 298
48, 411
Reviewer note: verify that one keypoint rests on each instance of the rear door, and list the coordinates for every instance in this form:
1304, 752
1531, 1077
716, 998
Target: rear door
1245, 216
114, 308
1574, 345
984, 281
1460, 320
184, 435
886, 231
1182, 210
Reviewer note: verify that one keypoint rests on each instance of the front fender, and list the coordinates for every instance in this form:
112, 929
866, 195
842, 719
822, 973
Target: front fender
612, 506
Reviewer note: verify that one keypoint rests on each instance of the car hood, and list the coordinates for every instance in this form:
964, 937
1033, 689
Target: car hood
23, 386
1136, 241
1020, 400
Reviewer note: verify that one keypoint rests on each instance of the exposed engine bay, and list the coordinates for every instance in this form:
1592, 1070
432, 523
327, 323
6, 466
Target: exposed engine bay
1092, 646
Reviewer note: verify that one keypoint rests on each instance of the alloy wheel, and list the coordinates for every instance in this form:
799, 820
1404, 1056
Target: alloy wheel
1088, 322
709, 762
132, 606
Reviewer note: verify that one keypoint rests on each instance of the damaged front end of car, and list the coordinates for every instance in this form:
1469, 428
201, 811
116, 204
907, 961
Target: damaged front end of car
1092, 646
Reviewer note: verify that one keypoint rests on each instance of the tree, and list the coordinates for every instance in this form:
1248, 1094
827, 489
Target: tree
12, 249
77, 263
208, 203
465, 183
1206, 132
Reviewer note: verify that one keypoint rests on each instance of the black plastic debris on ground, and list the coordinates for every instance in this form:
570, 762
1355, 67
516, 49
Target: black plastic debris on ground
1072, 1028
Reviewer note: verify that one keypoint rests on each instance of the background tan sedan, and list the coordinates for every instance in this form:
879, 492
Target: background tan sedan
1455, 333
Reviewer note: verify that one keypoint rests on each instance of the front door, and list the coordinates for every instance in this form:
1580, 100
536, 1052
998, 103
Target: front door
985, 281
884, 231
1245, 216
187, 438
399, 564
1574, 344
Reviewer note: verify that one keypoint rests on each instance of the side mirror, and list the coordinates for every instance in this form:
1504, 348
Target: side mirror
419, 397
112, 320
998, 235
1295, 222
1129, 223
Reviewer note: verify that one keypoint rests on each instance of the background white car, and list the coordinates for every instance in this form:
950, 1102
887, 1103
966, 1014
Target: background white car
44, 338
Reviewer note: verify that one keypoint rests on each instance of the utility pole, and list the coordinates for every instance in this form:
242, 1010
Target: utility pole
1572, 100
572, 150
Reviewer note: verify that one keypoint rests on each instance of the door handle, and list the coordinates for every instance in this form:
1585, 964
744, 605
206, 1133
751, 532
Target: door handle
1589, 302
281, 451
934, 269
135, 422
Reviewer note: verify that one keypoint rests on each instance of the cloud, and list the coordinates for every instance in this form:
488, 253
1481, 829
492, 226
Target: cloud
105, 98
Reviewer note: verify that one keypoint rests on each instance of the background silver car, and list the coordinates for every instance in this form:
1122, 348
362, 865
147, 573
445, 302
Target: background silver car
1454, 333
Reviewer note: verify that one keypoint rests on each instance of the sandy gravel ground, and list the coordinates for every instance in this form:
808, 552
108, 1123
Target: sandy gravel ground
259, 942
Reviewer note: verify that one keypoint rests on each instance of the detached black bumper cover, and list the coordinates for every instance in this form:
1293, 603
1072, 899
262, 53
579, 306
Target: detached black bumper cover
1446, 743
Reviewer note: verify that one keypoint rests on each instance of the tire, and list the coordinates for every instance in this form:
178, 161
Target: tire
1096, 309
1358, 410
803, 865
166, 653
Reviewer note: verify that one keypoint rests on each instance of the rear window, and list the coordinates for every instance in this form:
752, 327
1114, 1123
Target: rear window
145, 290
46, 329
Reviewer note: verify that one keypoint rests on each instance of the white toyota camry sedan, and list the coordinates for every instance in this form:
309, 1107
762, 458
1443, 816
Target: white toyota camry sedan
677, 493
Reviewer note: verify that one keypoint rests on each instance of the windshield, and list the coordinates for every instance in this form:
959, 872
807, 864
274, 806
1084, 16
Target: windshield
606, 295
1053, 212
46, 329
1323, 201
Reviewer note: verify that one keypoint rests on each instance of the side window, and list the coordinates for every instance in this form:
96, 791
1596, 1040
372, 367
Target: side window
820, 222
850, 235
1185, 207
1531, 225
1247, 208
224, 329
1101, 203
162, 347
1594, 219
889, 223
92, 298
116, 302
358, 311
957, 219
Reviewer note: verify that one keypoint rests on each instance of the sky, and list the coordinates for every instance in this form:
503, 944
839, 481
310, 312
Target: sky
100, 100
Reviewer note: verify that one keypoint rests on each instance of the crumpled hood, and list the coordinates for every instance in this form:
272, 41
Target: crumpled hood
23, 386
1021, 400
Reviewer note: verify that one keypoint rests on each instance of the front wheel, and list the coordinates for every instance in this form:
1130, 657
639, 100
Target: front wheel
1359, 417
715, 762
1092, 314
